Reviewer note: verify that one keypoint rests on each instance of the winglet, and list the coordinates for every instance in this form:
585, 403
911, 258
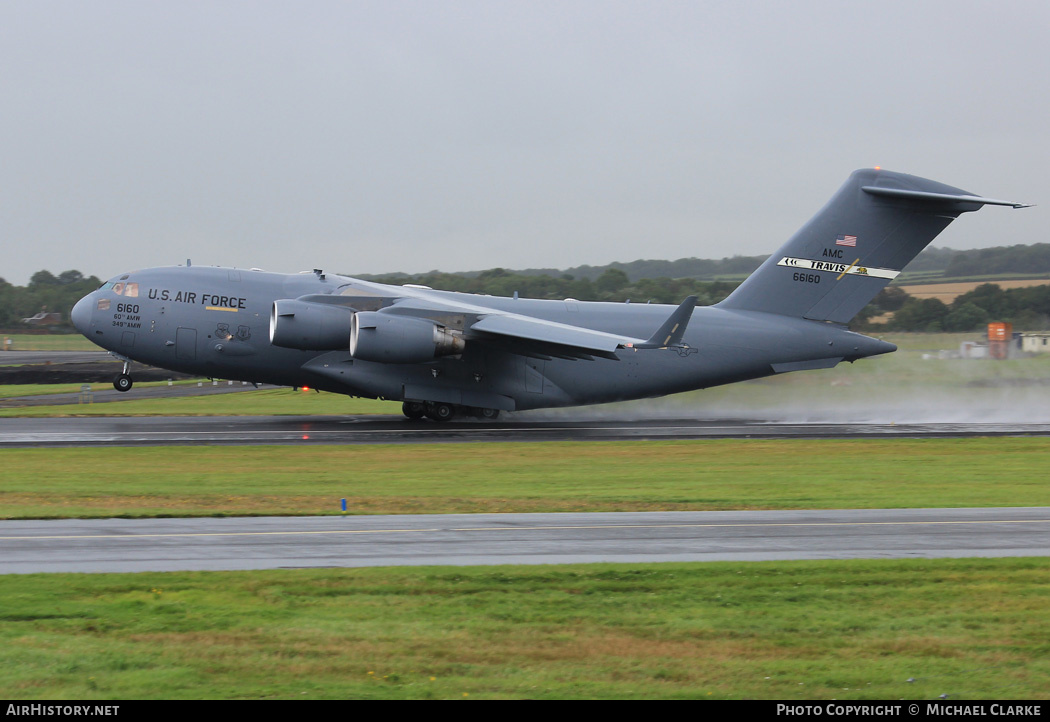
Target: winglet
670, 333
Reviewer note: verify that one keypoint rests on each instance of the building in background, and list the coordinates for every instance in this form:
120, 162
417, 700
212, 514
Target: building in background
43, 319
1035, 342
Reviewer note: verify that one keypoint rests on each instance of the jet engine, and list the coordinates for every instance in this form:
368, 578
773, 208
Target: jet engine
387, 338
309, 326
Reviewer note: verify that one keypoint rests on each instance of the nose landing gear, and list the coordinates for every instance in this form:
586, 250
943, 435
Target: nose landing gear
123, 381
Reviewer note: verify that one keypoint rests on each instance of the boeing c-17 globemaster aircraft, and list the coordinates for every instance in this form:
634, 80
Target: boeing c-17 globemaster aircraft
446, 354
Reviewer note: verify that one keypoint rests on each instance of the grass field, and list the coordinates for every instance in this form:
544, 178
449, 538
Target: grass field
966, 628
842, 630
525, 477
47, 342
263, 402
923, 277
8, 391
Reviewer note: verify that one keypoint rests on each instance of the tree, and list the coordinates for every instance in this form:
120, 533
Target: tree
67, 277
890, 298
42, 278
612, 281
967, 317
925, 314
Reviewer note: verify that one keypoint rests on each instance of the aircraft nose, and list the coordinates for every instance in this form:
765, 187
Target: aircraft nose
81, 314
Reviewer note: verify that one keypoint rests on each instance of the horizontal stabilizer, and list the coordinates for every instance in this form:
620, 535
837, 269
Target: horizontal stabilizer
940, 197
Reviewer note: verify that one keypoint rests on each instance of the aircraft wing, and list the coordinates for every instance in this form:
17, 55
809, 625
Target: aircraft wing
527, 328
544, 337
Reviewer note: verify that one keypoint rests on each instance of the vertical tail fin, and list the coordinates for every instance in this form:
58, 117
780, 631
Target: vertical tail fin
870, 230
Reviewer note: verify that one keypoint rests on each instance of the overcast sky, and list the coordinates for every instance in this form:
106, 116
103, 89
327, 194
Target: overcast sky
366, 137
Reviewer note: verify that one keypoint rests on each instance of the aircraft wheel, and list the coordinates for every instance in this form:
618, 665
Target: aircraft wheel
413, 410
122, 383
488, 414
440, 412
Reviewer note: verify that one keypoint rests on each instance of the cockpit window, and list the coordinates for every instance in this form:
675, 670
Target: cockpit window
118, 288
131, 289
103, 304
106, 286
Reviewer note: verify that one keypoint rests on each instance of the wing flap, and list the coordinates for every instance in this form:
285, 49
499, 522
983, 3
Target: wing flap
551, 332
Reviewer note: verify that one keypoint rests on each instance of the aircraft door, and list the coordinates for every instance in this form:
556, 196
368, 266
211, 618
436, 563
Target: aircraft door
186, 344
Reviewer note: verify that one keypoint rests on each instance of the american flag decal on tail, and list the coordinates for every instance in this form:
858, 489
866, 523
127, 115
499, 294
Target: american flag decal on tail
846, 241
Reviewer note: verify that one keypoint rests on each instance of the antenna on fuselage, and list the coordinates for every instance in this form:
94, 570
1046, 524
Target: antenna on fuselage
188, 263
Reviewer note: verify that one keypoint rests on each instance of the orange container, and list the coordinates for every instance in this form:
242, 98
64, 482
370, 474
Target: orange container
1000, 331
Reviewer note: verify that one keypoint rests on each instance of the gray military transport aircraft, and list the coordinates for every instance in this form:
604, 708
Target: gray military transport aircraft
446, 354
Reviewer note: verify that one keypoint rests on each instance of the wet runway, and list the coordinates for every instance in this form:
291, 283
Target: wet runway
54, 357
384, 429
125, 545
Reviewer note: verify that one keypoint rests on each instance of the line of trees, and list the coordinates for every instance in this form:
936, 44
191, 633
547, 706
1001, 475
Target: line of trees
702, 269
1025, 259
45, 292
1033, 259
1026, 308
612, 285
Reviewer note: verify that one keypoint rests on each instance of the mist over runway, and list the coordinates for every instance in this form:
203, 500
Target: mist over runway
383, 429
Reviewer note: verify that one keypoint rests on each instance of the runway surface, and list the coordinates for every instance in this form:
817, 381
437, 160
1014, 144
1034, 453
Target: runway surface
121, 545
253, 430
54, 357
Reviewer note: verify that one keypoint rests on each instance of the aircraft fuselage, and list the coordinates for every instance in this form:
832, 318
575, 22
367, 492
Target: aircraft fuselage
215, 322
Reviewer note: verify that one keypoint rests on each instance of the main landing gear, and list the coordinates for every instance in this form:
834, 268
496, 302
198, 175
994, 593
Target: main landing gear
441, 412
123, 381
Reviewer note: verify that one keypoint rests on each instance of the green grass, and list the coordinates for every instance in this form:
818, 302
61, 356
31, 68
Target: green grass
47, 342
933, 277
8, 391
842, 630
264, 402
787, 630
525, 477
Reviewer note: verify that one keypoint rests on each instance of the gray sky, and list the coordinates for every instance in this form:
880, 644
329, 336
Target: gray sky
364, 137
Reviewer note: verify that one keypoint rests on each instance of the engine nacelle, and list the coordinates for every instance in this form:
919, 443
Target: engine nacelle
386, 338
309, 326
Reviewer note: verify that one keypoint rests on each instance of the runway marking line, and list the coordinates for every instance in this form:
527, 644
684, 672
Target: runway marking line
759, 525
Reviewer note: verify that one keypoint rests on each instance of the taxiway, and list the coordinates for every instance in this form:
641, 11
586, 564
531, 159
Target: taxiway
126, 545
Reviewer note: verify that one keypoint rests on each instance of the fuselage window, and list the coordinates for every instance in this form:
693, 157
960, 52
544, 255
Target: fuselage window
103, 304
